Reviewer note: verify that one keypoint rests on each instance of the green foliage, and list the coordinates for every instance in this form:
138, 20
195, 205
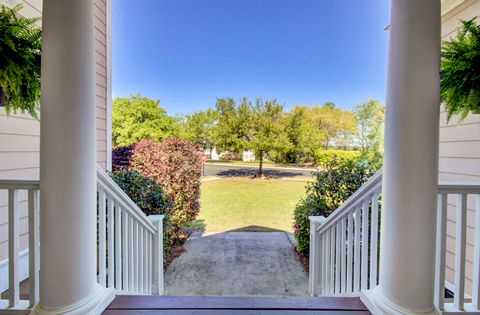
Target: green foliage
199, 127
370, 116
138, 117
20, 51
323, 158
248, 126
332, 187
144, 191
234, 125
175, 164
460, 71
337, 126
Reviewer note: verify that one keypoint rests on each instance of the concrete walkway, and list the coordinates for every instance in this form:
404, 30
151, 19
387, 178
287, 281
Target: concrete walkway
237, 263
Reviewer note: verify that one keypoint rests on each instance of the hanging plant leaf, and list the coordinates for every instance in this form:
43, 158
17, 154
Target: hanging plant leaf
20, 54
460, 71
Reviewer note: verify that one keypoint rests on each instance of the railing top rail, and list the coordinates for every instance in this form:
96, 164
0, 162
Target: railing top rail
111, 188
459, 187
19, 184
368, 188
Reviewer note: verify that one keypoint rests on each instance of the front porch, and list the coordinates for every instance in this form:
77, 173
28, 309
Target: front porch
97, 245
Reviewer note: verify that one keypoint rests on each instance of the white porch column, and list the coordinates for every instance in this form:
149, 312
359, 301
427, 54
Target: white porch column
68, 282
410, 173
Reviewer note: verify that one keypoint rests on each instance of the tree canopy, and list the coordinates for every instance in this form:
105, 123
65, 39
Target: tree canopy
370, 116
138, 117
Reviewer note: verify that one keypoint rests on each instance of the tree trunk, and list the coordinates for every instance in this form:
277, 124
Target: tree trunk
260, 167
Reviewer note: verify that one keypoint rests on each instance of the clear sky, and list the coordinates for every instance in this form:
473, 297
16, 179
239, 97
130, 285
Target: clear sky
189, 52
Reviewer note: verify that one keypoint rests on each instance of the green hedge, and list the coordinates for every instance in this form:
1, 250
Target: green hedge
333, 185
324, 158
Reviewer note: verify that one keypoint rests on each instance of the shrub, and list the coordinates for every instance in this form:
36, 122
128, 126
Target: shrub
175, 164
121, 157
331, 188
324, 158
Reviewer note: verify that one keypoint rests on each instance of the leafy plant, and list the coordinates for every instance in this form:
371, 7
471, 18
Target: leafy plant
121, 157
176, 165
20, 51
460, 71
332, 187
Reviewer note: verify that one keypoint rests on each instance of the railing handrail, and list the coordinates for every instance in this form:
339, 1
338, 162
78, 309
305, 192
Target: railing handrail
459, 187
354, 200
19, 184
111, 188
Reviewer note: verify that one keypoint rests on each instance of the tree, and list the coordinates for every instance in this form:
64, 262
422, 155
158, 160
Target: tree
199, 127
244, 126
233, 130
370, 116
302, 134
138, 117
267, 131
336, 124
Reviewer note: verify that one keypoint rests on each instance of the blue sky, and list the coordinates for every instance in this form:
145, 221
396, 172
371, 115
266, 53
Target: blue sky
189, 52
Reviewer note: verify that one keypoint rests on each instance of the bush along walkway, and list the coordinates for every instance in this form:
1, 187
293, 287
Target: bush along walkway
237, 263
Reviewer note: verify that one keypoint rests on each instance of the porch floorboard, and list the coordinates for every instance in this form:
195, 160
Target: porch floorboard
228, 305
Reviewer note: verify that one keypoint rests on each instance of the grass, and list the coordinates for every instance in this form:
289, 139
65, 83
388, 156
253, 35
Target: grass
246, 204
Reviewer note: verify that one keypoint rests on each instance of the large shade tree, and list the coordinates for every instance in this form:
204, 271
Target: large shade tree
199, 127
138, 117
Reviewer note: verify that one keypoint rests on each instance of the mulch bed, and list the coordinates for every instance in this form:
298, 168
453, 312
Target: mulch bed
177, 248
304, 260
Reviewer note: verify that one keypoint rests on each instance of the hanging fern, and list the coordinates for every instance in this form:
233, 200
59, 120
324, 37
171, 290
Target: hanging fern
460, 71
20, 50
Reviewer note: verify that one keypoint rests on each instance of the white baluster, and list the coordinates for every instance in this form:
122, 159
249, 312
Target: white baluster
111, 243
349, 252
145, 261
337, 257
343, 255
141, 254
131, 257
460, 246
332, 260
135, 255
328, 254
356, 261
374, 242
126, 252
365, 230
476, 259
442, 208
33, 245
118, 248
102, 250
13, 241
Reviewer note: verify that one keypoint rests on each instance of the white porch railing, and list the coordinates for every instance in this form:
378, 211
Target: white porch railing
344, 248
130, 244
14, 188
344, 258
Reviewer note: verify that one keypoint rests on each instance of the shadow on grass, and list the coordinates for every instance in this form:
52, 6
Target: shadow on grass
252, 172
255, 228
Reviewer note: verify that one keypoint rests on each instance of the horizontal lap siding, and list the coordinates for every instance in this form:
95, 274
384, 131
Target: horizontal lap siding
20, 134
459, 152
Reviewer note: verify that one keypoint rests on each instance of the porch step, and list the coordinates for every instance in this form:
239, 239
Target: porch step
241, 305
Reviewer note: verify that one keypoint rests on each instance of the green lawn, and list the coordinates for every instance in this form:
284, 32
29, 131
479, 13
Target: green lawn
248, 204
